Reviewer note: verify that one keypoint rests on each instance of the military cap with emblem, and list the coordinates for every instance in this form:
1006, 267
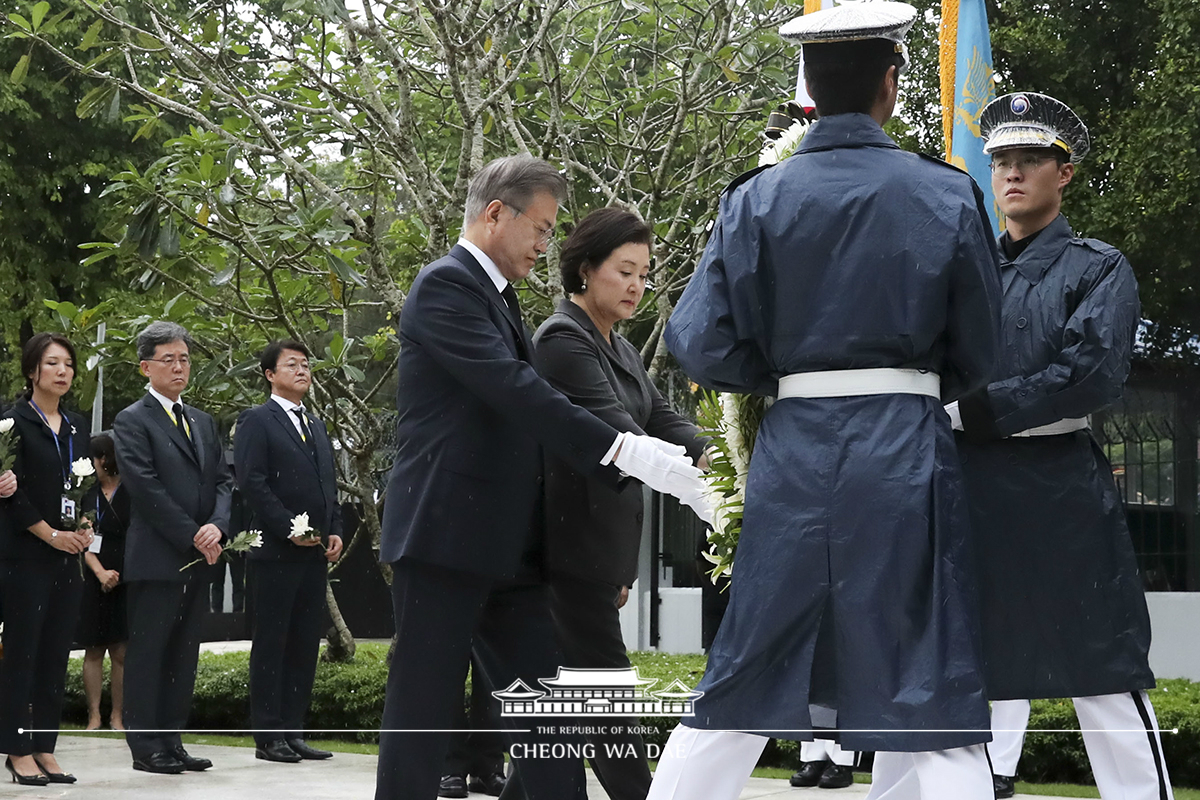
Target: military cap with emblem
1028, 119
853, 32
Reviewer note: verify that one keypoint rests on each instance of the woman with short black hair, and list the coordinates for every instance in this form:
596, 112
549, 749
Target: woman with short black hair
40, 579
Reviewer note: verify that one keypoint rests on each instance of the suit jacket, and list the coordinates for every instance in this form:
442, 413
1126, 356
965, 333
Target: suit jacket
279, 479
473, 418
39, 471
173, 490
594, 530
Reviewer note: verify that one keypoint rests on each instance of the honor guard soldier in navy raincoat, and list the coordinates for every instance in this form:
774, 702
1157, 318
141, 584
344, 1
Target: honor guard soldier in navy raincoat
859, 285
1064, 614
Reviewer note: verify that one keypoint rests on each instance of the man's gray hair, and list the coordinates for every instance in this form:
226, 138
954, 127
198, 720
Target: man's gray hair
513, 180
160, 332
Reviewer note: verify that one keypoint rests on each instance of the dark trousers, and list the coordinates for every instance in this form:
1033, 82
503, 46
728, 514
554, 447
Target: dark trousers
237, 573
165, 619
439, 611
474, 748
41, 610
288, 602
589, 632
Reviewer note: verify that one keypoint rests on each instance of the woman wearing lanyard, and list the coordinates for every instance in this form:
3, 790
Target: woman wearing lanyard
102, 624
40, 579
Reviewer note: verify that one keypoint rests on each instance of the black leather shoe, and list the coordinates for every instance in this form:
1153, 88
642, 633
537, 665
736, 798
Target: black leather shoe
302, 749
1004, 786
162, 763
491, 785
191, 762
452, 786
836, 776
277, 750
33, 780
809, 774
55, 777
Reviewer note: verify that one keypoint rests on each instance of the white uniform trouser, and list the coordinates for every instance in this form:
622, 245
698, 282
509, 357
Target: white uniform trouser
826, 750
714, 765
1010, 718
1123, 744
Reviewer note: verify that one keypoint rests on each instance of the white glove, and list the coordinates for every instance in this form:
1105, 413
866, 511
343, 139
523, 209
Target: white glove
955, 417
662, 466
699, 502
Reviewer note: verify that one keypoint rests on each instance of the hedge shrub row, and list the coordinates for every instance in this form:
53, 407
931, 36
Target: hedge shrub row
348, 697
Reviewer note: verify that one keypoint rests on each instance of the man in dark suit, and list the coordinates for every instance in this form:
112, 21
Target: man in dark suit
173, 467
283, 461
465, 491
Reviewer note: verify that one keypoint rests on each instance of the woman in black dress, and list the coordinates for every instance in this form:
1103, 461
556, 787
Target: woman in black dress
593, 532
40, 580
102, 623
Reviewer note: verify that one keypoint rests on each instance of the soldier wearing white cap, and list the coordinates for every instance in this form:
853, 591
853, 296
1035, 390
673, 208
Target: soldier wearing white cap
859, 285
1063, 608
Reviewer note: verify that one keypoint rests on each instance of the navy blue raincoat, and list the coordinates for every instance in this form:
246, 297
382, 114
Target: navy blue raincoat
853, 588
1064, 614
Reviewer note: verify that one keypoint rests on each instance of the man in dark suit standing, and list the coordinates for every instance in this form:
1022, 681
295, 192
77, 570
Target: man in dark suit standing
172, 464
283, 461
460, 527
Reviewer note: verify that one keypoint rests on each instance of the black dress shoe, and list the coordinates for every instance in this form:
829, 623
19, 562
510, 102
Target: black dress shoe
836, 776
191, 762
32, 780
452, 786
55, 777
809, 774
277, 750
1004, 786
491, 785
302, 749
162, 763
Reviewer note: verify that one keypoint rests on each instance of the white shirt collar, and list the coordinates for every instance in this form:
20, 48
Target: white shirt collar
488, 265
163, 400
288, 405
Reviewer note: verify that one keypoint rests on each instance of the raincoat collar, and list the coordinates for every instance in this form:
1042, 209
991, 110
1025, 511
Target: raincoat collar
1042, 251
845, 130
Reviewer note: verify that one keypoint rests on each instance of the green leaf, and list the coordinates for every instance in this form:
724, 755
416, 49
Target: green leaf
353, 373
149, 42
246, 367
223, 277
39, 13
91, 36
344, 271
168, 238
20, 70
211, 28
20, 22
94, 100
240, 49
206, 166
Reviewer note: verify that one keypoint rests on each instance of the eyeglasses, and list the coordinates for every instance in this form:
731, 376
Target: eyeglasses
295, 366
1024, 164
171, 361
544, 234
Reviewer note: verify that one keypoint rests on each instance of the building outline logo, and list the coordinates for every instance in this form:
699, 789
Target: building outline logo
599, 693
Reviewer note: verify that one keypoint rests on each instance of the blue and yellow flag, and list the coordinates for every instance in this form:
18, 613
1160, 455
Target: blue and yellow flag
967, 86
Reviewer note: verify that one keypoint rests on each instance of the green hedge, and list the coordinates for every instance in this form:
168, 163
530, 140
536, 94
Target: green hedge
350, 696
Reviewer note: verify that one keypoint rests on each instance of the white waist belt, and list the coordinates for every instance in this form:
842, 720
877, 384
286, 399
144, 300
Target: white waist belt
858, 382
1055, 428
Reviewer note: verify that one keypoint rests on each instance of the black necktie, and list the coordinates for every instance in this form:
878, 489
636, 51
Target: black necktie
183, 428
514, 308
305, 431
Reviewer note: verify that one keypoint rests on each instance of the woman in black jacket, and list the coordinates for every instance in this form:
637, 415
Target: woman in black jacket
593, 532
40, 579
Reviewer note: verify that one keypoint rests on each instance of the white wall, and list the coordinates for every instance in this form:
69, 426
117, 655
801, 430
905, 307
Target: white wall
1175, 629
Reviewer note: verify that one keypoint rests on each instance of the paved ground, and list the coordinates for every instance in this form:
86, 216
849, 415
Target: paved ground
104, 772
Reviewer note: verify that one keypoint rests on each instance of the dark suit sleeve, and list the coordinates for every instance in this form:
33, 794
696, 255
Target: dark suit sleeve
455, 328
672, 427
335, 523
24, 512
139, 473
251, 463
223, 507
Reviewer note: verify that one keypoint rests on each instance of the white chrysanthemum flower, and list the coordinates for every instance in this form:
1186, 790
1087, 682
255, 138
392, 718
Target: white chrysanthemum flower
83, 468
776, 150
257, 540
300, 526
6, 425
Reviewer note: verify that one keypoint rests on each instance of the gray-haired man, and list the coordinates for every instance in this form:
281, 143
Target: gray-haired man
171, 463
461, 526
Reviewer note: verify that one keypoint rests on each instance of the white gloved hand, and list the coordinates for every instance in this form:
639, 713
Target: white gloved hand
955, 417
700, 503
644, 458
